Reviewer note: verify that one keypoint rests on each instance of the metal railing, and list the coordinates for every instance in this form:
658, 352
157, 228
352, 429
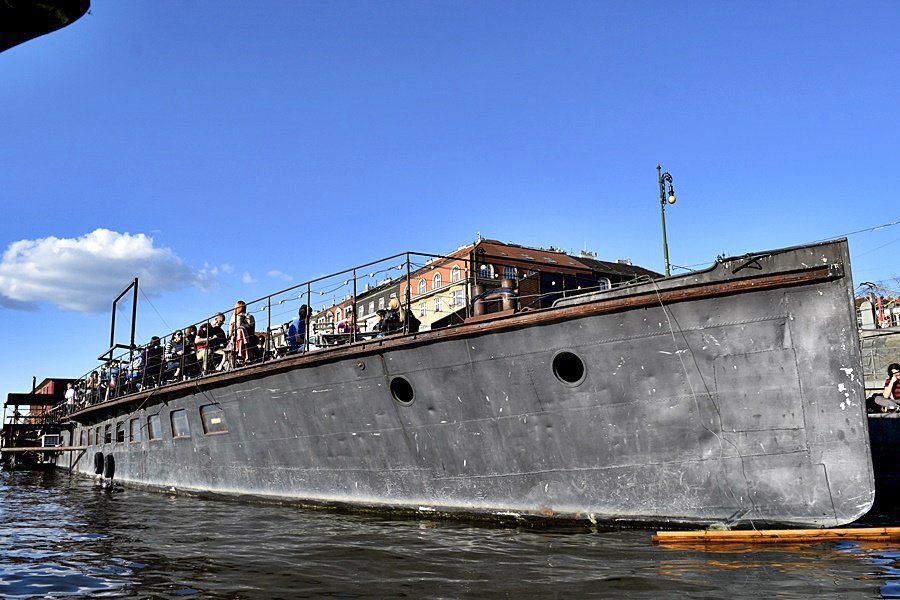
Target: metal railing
360, 291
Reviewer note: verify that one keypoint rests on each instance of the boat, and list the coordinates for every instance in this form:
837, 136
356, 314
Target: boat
21, 21
730, 395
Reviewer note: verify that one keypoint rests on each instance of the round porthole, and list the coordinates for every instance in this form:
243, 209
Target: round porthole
402, 391
568, 368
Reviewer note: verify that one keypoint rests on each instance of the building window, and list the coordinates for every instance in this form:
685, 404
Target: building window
437, 304
371, 306
180, 426
213, 418
154, 428
423, 286
361, 311
120, 432
486, 271
381, 303
422, 310
97, 436
455, 274
603, 283
134, 430
107, 434
509, 272
88, 437
436, 281
458, 298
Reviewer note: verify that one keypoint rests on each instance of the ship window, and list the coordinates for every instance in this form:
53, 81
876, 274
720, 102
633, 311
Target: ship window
154, 428
107, 434
568, 368
213, 418
402, 391
120, 432
180, 426
134, 430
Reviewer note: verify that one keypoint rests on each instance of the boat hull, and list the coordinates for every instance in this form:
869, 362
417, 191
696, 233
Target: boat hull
724, 396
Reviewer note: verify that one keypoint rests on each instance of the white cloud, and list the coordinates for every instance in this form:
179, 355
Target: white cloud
84, 274
227, 268
247, 278
280, 275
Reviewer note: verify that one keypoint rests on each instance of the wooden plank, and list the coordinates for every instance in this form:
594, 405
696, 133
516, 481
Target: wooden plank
44, 449
776, 536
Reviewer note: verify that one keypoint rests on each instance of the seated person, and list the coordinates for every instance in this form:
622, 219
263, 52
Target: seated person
297, 330
889, 400
393, 319
242, 333
209, 343
174, 356
379, 325
348, 325
153, 362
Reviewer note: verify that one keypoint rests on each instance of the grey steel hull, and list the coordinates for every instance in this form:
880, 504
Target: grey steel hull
732, 395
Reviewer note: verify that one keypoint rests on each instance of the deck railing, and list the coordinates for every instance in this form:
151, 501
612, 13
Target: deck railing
439, 293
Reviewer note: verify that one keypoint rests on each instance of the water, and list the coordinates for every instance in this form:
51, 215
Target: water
63, 537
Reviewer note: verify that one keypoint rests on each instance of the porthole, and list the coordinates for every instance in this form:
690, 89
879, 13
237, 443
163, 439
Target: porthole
568, 368
402, 390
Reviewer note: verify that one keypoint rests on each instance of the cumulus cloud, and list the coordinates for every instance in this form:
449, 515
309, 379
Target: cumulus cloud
279, 275
247, 278
84, 274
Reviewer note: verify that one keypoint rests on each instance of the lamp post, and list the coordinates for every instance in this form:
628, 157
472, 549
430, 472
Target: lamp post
663, 198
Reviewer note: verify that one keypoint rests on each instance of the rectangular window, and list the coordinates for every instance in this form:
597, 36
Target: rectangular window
134, 430
422, 310
381, 303
371, 306
97, 435
154, 428
180, 426
437, 304
107, 434
213, 418
120, 432
509, 272
458, 298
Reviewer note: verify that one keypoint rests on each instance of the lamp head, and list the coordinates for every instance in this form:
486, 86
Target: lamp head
671, 198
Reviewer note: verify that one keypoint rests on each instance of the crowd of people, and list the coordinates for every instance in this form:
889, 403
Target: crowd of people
196, 351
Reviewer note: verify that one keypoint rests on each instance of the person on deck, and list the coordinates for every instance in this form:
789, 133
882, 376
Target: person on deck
241, 332
209, 341
296, 334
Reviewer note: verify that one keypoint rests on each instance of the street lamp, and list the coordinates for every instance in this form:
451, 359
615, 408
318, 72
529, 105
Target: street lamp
663, 198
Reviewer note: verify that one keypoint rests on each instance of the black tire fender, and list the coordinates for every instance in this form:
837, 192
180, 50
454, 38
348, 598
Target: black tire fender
98, 463
109, 466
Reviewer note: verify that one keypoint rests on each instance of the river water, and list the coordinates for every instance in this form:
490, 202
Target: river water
61, 536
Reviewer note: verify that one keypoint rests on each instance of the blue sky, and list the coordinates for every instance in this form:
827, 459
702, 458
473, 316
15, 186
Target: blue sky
223, 150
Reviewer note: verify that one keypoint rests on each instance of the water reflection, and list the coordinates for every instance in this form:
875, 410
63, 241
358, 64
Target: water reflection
65, 538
